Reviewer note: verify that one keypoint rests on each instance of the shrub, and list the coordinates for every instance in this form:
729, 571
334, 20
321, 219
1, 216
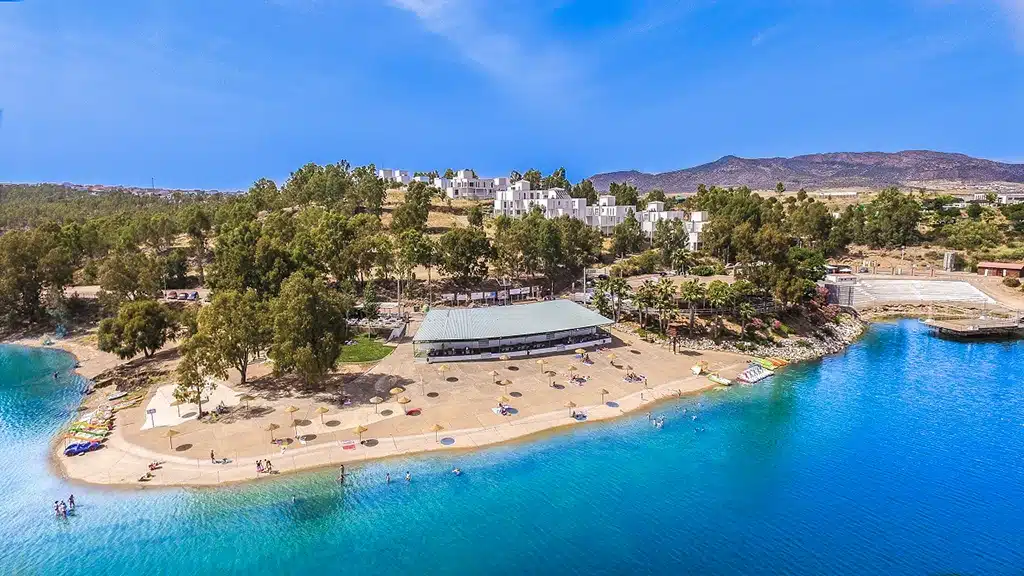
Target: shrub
703, 270
1011, 282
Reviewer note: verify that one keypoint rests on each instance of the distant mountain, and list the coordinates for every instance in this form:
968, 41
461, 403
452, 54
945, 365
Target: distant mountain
815, 171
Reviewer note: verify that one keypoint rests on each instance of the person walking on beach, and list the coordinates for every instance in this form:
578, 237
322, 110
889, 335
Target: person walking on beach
212, 459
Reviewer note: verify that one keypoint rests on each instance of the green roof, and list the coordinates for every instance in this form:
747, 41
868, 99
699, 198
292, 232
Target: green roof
463, 324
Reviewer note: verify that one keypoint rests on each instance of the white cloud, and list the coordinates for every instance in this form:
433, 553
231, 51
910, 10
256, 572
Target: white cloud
518, 58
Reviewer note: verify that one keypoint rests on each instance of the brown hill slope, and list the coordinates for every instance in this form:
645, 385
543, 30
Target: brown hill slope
814, 171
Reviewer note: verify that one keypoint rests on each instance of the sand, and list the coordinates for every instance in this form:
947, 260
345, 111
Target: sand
458, 400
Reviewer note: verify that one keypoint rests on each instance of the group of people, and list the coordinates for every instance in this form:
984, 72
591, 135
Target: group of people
387, 477
61, 509
634, 377
264, 467
503, 409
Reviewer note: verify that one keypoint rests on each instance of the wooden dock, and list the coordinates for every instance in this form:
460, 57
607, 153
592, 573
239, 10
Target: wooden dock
977, 327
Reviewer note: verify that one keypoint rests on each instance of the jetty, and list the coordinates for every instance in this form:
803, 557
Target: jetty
977, 327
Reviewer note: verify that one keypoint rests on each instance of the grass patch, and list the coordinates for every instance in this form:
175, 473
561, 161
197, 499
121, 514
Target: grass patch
365, 349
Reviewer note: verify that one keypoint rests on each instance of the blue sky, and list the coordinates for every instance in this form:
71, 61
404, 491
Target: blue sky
217, 94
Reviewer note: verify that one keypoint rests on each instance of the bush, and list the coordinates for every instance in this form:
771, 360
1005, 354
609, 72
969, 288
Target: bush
703, 270
645, 263
1011, 282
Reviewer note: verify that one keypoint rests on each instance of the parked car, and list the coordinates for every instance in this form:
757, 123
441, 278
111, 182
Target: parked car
183, 296
172, 295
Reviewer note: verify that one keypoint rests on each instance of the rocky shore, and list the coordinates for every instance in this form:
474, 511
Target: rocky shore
828, 339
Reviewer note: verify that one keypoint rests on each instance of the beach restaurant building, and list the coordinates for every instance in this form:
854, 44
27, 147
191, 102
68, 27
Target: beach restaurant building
1004, 269
550, 327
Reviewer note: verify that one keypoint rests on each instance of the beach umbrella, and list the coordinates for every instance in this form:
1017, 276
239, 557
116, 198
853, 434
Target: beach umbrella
396, 390
540, 364
246, 398
292, 410
503, 399
603, 393
321, 411
375, 401
437, 428
177, 404
270, 428
170, 436
580, 351
494, 376
359, 431
403, 401
570, 405
505, 358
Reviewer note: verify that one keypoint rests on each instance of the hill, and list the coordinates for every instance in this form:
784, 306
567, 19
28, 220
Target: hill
816, 171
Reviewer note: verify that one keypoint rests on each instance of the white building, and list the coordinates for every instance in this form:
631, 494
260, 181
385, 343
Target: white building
402, 177
519, 199
466, 186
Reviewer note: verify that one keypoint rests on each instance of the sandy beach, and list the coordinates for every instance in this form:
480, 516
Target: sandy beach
453, 409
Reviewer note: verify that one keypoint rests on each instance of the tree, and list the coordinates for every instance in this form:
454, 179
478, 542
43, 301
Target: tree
617, 290
514, 176
585, 189
508, 256
891, 219
665, 300
625, 194
557, 179
309, 328
780, 188
747, 312
33, 264
463, 254
128, 276
232, 331
580, 243
718, 295
692, 292
196, 223
533, 176
971, 234
476, 216
175, 269
143, 326
413, 213
627, 237
602, 304
192, 384
656, 195
551, 252
974, 211
449, 173
645, 298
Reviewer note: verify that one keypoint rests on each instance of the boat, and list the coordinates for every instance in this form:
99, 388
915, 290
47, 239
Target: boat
778, 361
755, 373
719, 380
80, 448
764, 363
116, 396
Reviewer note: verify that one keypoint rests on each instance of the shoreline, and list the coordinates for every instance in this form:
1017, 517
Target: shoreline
193, 473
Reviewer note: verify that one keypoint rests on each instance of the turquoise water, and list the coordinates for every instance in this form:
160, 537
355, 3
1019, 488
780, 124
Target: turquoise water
901, 456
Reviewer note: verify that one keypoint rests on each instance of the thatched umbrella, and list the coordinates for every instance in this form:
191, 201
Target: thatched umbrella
403, 401
246, 398
270, 428
359, 431
396, 390
580, 351
437, 428
505, 358
541, 364
295, 423
170, 436
505, 383
441, 369
494, 376
603, 394
570, 370
375, 401
177, 404
570, 405
321, 411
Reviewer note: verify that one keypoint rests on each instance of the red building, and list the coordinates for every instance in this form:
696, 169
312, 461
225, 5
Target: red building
1004, 269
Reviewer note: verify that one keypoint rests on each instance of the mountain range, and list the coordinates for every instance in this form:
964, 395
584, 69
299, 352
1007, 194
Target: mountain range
817, 171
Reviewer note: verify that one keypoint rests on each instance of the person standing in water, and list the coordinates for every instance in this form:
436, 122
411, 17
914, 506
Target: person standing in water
387, 478
408, 477
71, 502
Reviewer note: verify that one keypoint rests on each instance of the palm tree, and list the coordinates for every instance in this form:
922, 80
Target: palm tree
646, 297
746, 313
665, 300
719, 295
692, 292
618, 290
682, 259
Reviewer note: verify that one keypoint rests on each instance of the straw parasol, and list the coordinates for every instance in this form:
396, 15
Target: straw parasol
396, 390
580, 351
295, 423
437, 428
170, 436
504, 358
494, 376
246, 398
541, 363
505, 382
570, 405
270, 428
321, 411
375, 401
177, 404
359, 431
403, 401
603, 394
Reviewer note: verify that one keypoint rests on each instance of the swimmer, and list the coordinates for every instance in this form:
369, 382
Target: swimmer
456, 471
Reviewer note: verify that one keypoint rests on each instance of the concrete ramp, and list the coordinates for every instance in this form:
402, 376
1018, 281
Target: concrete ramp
872, 291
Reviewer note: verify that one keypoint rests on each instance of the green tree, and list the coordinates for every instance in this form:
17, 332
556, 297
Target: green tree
534, 177
891, 219
128, 276
617, 291
33, 264
309, 328
692, 292
463, 255
971, 234
514, 176
719, 296
551, 251
645, 298
625, 193
196, 223
175, 269
780, 188
746, 313
476, 216
192, 384
557, 179
449, 173
585, 189
656, 195
627, 237
139, 327
232, 331
665, 300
